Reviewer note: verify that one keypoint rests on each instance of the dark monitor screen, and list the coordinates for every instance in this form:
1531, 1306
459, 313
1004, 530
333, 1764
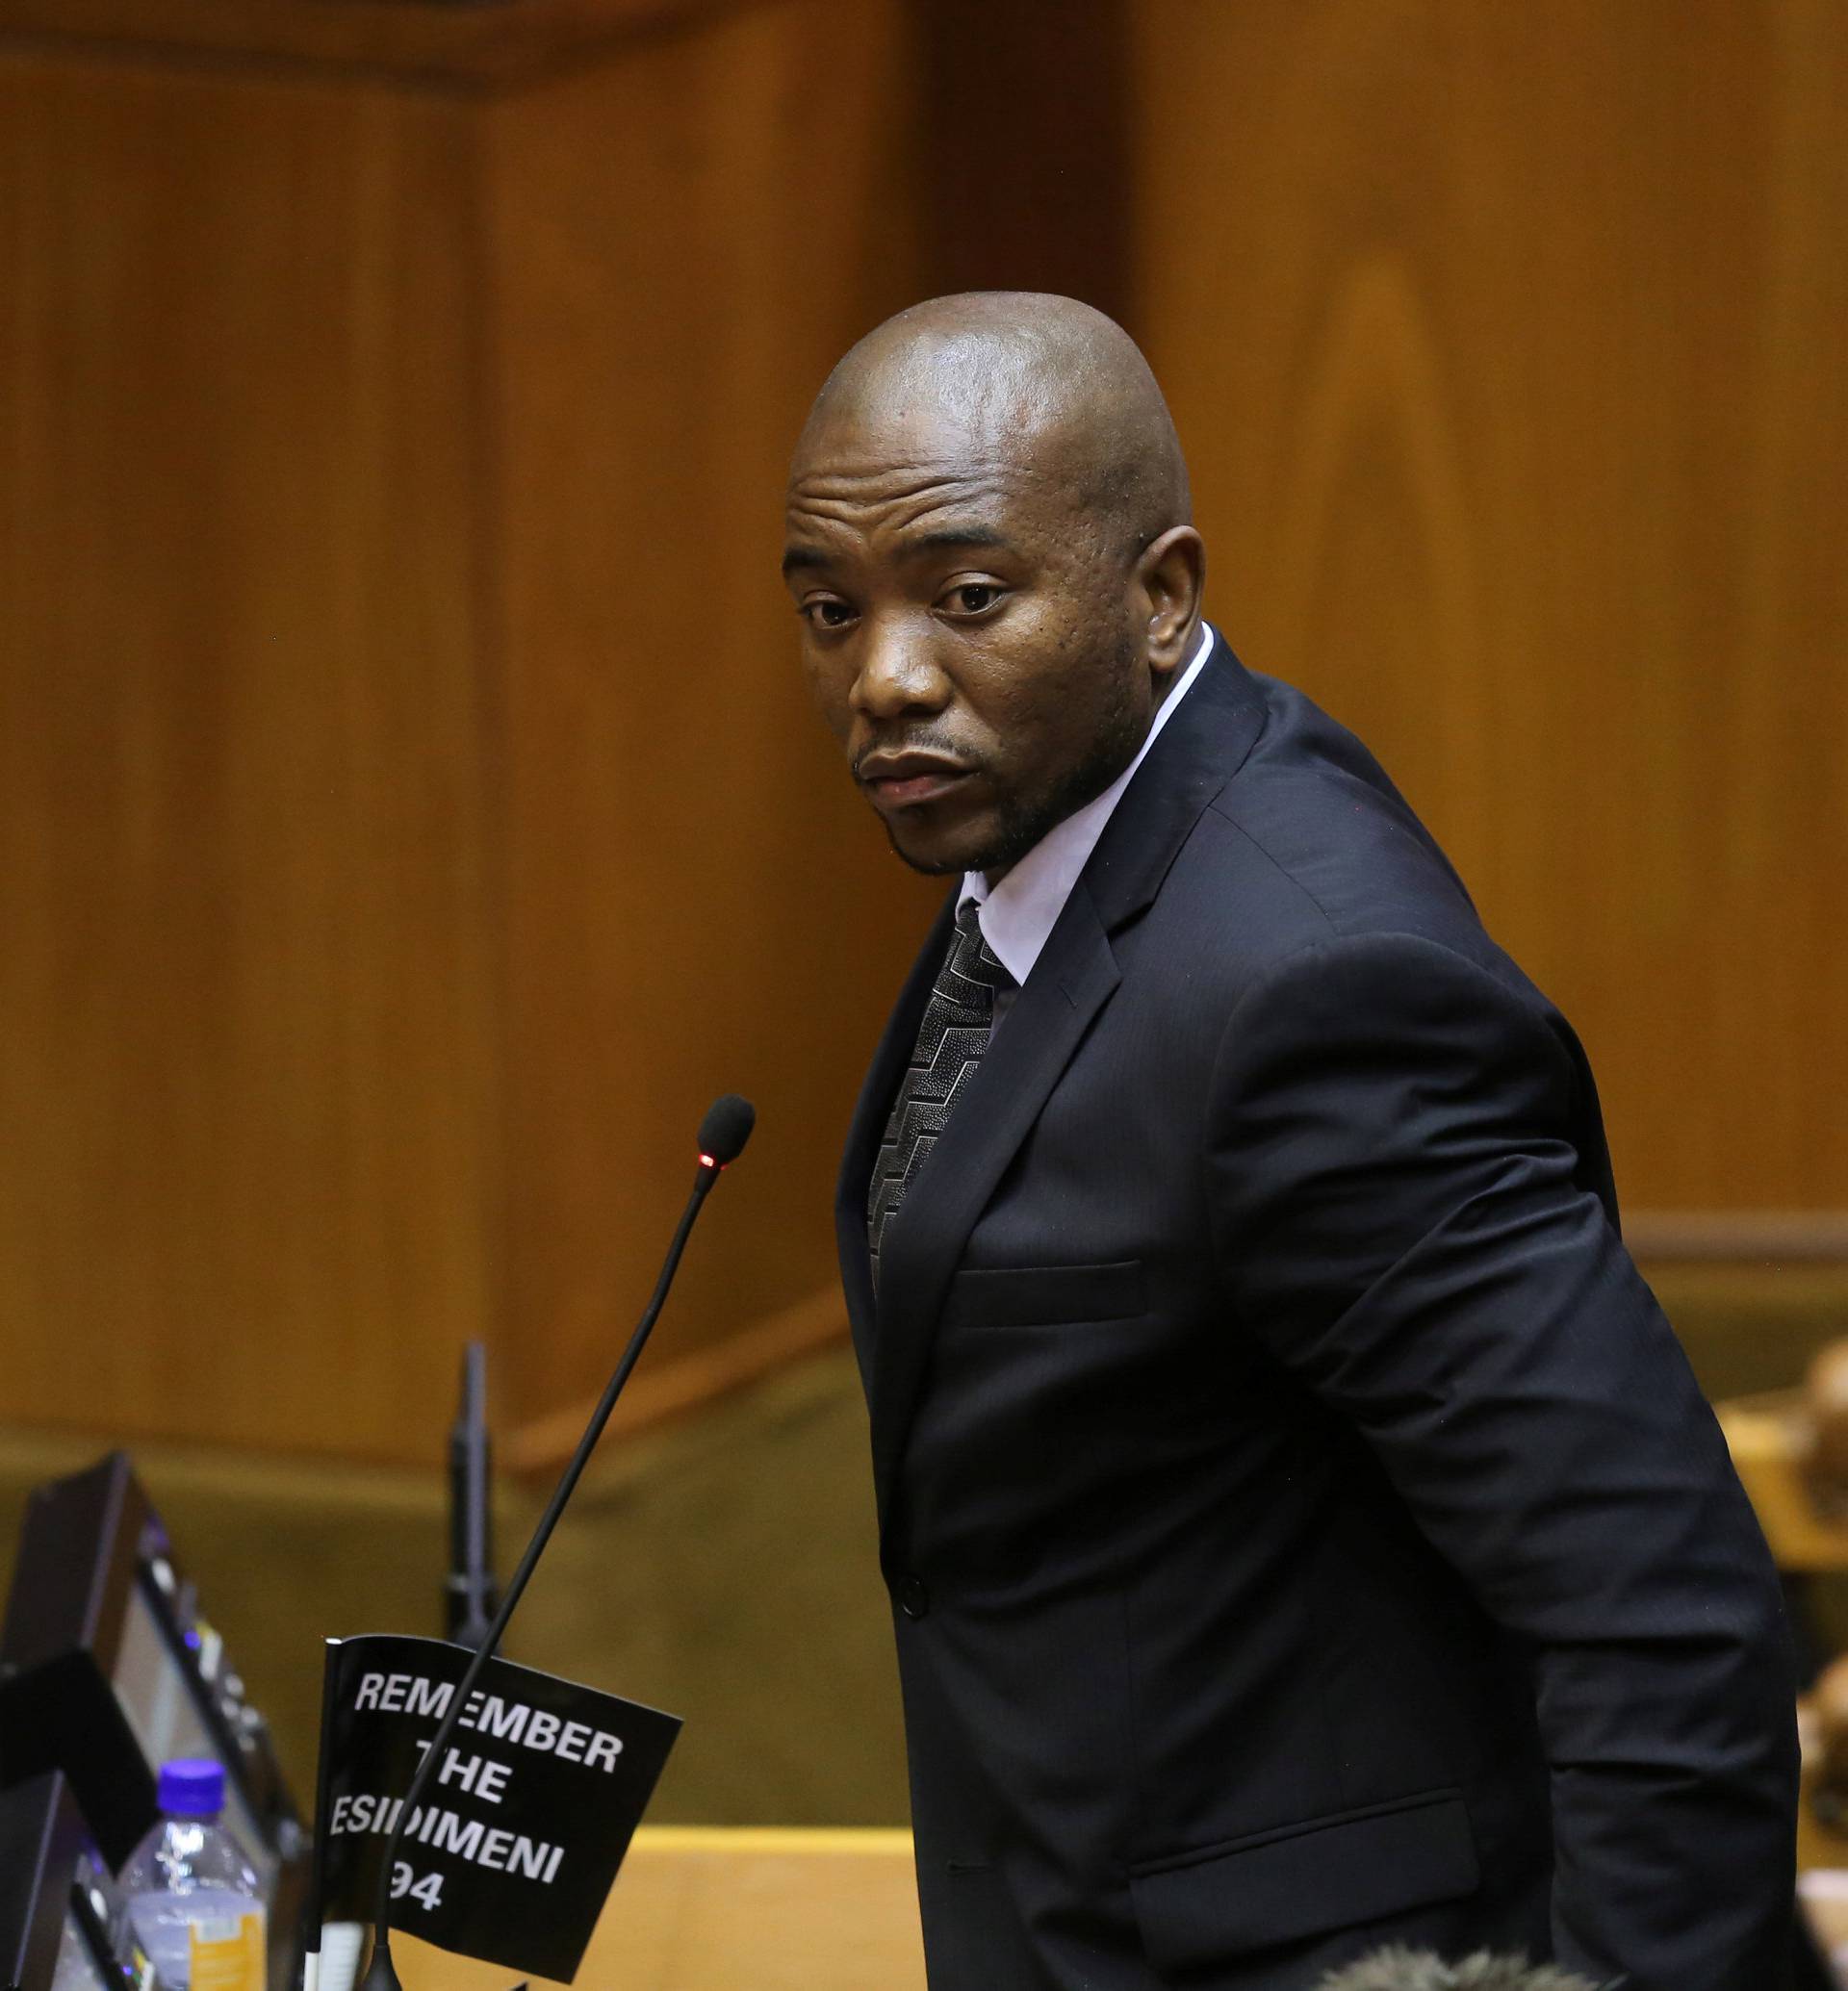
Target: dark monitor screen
155, 1676
111, 1670
60, 1915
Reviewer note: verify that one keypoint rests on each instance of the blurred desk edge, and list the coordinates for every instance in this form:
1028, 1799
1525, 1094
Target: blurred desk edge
714, 1908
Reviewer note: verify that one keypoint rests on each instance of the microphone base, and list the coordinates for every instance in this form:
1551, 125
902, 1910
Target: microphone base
381, 1976
379, 1972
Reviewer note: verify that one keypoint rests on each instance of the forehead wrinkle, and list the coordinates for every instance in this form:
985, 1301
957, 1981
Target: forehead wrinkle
838, 503
902, 506
902, 532
888, 483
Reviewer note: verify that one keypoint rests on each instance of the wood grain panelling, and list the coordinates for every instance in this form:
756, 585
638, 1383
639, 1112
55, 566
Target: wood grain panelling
1023, 143
683, 243
1509, 346
466, 42
409, 812
247, 1186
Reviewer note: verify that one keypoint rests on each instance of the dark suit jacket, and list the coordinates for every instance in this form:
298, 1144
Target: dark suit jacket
1302, 1525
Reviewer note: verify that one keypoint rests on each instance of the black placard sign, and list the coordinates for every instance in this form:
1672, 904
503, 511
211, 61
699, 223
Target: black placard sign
511, 1850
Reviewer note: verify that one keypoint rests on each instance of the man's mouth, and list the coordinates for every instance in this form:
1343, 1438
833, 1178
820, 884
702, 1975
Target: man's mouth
908, 781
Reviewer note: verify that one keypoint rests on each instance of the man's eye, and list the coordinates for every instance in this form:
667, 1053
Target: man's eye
974, 596
827, 613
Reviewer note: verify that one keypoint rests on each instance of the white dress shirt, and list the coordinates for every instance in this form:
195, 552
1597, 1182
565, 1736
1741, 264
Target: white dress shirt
1018, 914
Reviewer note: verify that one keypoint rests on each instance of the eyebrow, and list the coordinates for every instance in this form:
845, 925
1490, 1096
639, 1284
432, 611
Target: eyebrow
796, 555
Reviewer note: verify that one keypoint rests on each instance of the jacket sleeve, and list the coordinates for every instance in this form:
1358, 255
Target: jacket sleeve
1405, 1214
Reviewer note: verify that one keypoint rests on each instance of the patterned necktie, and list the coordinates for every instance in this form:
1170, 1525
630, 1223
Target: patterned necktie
950, 1042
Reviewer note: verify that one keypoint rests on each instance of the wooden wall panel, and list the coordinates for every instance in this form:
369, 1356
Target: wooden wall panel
409, 814
1510, 344
446, 42
247, 1179
682, 245
1022, 138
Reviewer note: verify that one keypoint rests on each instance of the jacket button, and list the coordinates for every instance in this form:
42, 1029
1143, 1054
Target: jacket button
913, 1599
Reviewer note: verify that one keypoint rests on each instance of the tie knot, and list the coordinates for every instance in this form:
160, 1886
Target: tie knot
973, 961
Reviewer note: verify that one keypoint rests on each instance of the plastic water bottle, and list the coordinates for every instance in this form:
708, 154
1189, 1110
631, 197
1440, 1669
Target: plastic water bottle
194, 1901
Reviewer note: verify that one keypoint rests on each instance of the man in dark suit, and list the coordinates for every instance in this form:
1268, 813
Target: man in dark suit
1303, 1530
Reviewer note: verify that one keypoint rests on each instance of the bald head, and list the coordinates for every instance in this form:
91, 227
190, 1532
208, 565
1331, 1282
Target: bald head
1043, 383
990, 548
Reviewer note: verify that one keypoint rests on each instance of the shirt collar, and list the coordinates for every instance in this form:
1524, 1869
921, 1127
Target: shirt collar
1019, 915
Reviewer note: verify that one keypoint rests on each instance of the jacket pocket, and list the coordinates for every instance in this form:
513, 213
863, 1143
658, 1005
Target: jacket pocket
1046, 1296
1305, 1880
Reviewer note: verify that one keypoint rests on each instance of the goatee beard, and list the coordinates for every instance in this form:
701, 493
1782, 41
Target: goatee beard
1023, 825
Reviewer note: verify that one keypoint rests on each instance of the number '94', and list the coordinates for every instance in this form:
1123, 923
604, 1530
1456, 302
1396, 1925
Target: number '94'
427, 1892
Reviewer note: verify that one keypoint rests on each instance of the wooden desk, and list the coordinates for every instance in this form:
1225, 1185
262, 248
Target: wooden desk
708, 1909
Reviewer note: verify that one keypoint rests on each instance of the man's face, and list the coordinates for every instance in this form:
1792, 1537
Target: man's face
968, 632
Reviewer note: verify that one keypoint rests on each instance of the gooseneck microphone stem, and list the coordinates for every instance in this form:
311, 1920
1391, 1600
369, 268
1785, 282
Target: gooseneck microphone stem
380, 1976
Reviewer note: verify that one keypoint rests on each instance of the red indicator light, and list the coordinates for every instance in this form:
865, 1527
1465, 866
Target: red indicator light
706, 1161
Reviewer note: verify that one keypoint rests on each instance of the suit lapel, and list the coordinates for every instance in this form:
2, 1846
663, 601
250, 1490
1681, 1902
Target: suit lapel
1200, 749
1199, 752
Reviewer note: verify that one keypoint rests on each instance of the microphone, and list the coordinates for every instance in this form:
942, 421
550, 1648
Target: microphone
723, 1133
726, 1128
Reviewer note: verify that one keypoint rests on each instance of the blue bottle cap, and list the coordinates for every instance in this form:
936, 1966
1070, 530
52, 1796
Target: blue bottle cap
193, 1787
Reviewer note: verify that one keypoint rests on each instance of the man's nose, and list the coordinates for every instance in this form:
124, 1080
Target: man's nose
897, 673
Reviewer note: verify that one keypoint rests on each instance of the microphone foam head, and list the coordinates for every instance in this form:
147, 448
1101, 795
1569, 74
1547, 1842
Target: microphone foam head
725, 1127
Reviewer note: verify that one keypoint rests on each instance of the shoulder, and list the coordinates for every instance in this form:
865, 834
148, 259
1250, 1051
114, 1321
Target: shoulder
1307, 846
1311, 802
1308, 908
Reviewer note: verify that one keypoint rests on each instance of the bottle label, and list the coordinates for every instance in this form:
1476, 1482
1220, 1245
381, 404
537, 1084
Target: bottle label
228, 1953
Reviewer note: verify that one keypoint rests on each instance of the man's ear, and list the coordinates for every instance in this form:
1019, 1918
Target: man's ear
1172, 574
